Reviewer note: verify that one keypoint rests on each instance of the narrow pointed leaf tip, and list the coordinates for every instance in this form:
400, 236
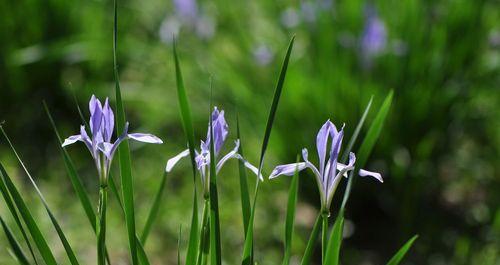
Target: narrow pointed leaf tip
396, 259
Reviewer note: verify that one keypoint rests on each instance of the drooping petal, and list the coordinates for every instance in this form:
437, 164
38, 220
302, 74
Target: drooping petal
173, 161
341, 167
305, 155
86, 139
108, 121
72, 139
327, 130
145, 138
231, 154
252, 168
287, 170
364, 173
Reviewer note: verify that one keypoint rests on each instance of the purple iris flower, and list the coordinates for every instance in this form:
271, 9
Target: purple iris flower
374, 38
202, 158
102, 123
330, 171
186, 9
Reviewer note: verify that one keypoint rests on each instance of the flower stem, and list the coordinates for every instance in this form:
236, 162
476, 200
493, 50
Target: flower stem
204, 242
101, 225
324, 236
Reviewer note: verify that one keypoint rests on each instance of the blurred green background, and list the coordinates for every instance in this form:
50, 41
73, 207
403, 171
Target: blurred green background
438, 152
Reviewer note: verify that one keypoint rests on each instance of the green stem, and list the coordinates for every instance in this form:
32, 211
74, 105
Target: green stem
101, 227
204, 242
324, 237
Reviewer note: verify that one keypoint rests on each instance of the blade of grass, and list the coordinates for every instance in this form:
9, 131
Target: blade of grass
205, 235
215, 249
333, 247
14, 244
143, 258
73, 175
247, 257
67, 247
367, 144
189, 132
127, 182
12, 209
153, 213
306, 259
355, 135
245, 196
28, 219
396, 259
290, 216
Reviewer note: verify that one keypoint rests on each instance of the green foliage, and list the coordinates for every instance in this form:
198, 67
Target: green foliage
396, 259
27, 217
248, 246
14, 244
189, 132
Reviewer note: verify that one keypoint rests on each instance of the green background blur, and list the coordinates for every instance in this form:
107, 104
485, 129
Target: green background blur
438, 152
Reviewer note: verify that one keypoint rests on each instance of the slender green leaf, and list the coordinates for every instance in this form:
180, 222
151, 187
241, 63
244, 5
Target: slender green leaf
335, 241
215, 248
245, 195
374, 131
396, 259
193, 240
127, 182
306, 259
12, 209
205, 234
143, 259
14, 244
67, 247
247, 257
276, 99
290, 216
355, 135
73, 175
153, 213
189, 132
31, 224
367, 144
185, 110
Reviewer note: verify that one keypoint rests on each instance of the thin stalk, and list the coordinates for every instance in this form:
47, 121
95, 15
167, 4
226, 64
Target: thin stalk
101, 213
204, 246
101, 230
324, 236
